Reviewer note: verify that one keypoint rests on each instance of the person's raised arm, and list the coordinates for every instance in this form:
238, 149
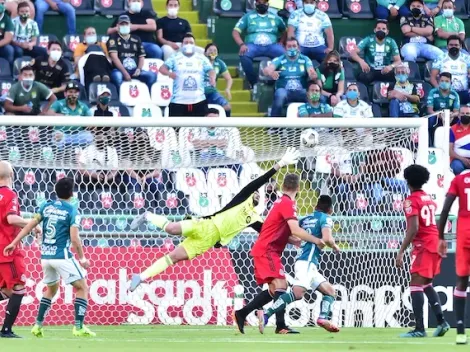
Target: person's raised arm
27, 228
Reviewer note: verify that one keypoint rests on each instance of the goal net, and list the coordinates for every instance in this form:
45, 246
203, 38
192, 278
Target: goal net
185, 167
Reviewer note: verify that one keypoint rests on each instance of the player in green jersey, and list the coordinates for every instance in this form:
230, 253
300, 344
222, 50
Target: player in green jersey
60, 221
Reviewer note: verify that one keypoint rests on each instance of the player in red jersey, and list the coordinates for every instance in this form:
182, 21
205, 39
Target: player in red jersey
460, 187
278, 229
12, 268
421, 231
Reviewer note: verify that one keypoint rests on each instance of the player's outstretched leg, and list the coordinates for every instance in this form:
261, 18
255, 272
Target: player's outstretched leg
257, 303
417, 301
282, 299
81, 305
158, 220
435, 303
329, 297
44, 306
460, 298
11, 312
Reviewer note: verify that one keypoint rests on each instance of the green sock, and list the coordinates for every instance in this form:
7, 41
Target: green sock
158, 220
80, 311
325, 306
156, 268
281, 303
43, 308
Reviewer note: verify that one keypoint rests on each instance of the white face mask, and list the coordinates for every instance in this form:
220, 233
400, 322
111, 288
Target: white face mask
173, 11
55, 55
135, 7
188, 49
91, 39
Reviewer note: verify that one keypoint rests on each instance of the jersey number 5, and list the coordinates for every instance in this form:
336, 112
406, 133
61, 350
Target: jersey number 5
428, 214
50, 231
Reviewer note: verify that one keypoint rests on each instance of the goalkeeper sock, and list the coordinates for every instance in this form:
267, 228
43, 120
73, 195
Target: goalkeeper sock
43, 308
156, 268
280, 322
434, 302
325, 307
258, 302
80, 311
158, 220
417, 300
460, 298
12, 310
281, 303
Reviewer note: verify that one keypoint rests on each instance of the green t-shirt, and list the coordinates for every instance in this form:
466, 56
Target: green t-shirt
378, 55
328, 80
260, 29
440, 102
307, 109
293, 74
452, 25
32, 97
6, 25
61, 107
220, 68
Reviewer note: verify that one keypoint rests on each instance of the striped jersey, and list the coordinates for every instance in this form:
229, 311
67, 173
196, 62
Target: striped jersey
23, 33
460, 136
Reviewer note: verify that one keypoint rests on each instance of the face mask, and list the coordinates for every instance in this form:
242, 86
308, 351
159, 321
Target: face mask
444, 85
55, 55
262, 8
124, 30
454, 51
212, 56
380, 35
104, 100
309, 9
2, 8
315, 96
135, 7
332, 65
72, 99
24, 17
416, 12
402, 78
173, 11
188, 49
352, 94
448, 13
91, 39
292, 52
27, 82
464, 119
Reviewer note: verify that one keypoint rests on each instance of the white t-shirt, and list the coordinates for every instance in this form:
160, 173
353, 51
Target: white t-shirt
458, 68
95, 159
361, 110
309, 30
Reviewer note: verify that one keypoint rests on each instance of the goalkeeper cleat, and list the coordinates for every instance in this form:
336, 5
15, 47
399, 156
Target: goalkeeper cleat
413, 333
286, 330
327, 325
135, 282
262, 320
83, 332
9, 335
239, 321
37, 331
441, 329
138, 221
461, 339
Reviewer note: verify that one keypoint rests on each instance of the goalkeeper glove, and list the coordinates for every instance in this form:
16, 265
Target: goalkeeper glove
291, 157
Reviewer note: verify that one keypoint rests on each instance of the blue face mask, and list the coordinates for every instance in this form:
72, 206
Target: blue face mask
292, 52
309, 9
352, 94
444, 85
402, 78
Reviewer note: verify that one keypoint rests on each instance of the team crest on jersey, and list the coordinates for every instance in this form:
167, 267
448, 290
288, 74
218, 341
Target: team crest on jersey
248, 219
407, 206
189, 83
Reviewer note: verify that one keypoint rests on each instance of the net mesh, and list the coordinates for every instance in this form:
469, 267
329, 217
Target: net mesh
196, 171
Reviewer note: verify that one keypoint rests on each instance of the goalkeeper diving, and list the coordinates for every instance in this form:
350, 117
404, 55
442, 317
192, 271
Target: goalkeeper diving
221, 227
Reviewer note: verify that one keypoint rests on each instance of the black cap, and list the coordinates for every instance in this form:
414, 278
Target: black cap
72, 85
124, 18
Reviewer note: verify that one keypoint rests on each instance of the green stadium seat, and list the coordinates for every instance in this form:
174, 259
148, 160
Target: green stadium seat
330, 7
348, 70
229, 8
347, 45
359, 9
109, 7
376, 110
83, 7
379, 93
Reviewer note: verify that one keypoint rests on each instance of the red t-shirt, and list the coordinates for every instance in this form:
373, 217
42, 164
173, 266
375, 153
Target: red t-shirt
275, 232
420, 204
8, 205
460, 187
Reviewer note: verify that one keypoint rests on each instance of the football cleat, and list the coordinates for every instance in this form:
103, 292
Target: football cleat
461, 339
83, 332
441, 329
135, 282
37, 331
9, 335
327, 325
413, 333
262, 320
138, 220
239, 321
286, 330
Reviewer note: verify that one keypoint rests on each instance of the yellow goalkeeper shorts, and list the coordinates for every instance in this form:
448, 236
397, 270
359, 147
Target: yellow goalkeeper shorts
201, 235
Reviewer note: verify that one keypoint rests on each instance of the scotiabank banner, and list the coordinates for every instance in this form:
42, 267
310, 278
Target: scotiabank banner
371, 291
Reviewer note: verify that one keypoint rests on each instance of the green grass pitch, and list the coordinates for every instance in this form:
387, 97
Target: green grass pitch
224, 339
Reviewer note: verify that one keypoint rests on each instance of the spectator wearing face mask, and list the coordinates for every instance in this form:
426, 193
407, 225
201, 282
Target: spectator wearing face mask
381, 56
353, 106
26, 32
403, 95
143, 26
128, 54
331, 78
448, 25
417, 30
25, 96
314, 107
89, 38
51, 70
102, 106
458, 143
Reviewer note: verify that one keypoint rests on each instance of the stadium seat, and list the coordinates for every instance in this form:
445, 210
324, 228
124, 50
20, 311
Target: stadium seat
376, 111
185, 141
153, 65
293, 110
423, 89
162, 93
427, 71
69, 66
18, 64
95, 88
330, 7
5, 85
405, 158
439, 138
380, 92
203, 204
109, 7
224, 8
71, 41
461, 9
117, 108
414, 70
359, 9
134, 92
83, 7
162, 137
334, 155
250, 172
147, 110
261, 76
222, 180
348, 70
221, 110
363, 92
44, 39
190, 180
347, 45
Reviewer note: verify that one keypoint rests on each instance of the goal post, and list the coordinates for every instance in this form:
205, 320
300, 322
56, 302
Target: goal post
183, 167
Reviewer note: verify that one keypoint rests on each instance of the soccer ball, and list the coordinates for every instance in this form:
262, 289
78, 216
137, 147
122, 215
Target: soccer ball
309, 138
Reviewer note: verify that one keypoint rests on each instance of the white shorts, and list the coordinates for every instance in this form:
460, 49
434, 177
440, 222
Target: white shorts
67, 269
307, 275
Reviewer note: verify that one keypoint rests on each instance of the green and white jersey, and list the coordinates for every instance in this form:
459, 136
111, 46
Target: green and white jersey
220, 68
378, 55
24, 32
32, 97
346, 110
448, 25
293, 74
6, 25
260, 29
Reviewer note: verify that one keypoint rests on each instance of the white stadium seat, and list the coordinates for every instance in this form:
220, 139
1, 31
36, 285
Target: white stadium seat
203, 204
152, 65
162, 137
133, 93
147, 110
292, 110
325, 159
191, 180
162, 93
220, 108
222, 181
439, 137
